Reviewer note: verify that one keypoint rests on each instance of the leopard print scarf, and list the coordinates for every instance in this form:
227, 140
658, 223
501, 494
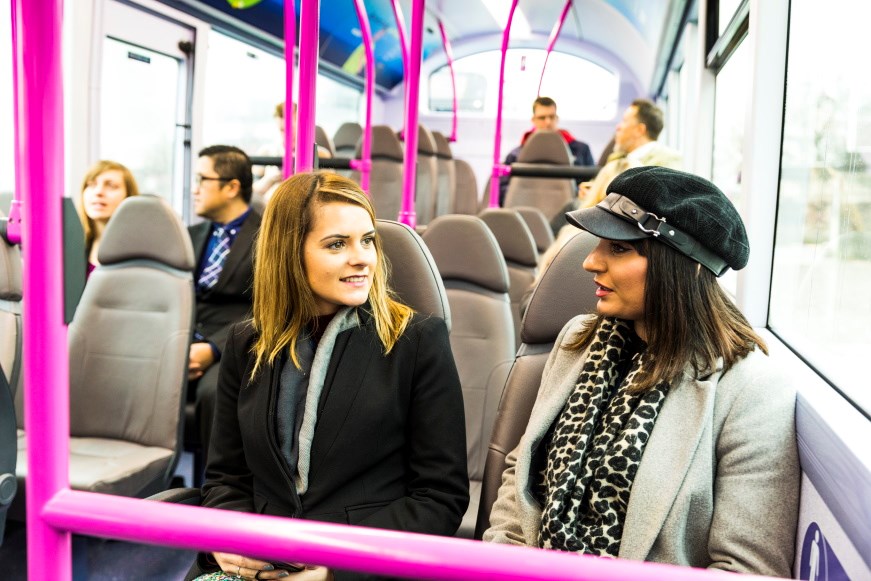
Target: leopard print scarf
596, 446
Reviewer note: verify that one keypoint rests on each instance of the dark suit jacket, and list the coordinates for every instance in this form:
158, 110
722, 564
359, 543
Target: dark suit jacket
389, 447
229, 301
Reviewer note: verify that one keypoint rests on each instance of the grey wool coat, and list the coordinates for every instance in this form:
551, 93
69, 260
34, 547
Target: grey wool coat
718, 483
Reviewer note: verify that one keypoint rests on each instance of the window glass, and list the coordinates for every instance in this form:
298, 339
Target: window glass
243, 86
731, 91
729, 112
725, 13
146, 83
338, 103
7, 136
589, 93
821, 282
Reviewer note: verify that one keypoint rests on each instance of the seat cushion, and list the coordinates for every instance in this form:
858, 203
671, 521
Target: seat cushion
107, 466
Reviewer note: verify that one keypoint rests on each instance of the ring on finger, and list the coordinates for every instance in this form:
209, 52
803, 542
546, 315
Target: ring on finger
257, 575
238, 570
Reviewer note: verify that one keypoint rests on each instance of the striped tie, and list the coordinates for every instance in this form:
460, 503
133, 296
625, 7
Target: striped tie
216, 259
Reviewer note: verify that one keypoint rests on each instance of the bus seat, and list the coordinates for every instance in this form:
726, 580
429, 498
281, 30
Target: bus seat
426, 182
324, 140
385, 179
554, 302
128, 353
346, 138
414, 276
538, 226
10, 372
465, 188
482, 339
550, 195
446, 176
521, 256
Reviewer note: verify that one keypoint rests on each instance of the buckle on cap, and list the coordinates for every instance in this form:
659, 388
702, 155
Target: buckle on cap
655, 232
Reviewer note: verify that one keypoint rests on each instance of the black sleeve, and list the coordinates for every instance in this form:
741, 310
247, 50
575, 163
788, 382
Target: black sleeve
438, 480
229, 483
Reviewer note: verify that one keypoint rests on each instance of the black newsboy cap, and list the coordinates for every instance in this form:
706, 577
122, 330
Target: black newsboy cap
687, 212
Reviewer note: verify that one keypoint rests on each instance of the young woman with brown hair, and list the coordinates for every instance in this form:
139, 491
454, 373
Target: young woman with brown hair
335, 402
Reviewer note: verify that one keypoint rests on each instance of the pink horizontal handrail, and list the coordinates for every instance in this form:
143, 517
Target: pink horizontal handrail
554, 35
375, 551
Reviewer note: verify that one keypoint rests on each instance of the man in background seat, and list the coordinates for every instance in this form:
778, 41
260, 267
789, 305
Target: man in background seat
544, 118
223, 244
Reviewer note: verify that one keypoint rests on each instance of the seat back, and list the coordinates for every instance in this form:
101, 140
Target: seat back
550, 195
482, 338
445, 176
324, 140
10, 371
414, 276
465, 188
346, 138
558, 298
518, 247
129, 339
538, 226
385, 179
10, 324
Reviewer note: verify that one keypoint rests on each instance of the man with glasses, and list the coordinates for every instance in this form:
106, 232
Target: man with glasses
544, 118
223, 244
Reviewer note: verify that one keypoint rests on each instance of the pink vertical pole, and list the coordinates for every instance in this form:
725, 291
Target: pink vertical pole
365, 164
308, 73
290, 66
554, 35
13, 220
449, 54
500, 170
400, 29
412, 91
39, 128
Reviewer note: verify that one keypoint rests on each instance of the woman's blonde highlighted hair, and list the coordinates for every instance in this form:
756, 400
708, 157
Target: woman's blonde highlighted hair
283, 300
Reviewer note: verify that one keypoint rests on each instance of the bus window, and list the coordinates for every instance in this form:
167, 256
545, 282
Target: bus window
822, 257
243, 86
589, 94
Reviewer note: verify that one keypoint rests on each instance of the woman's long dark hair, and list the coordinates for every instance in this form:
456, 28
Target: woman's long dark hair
688, 319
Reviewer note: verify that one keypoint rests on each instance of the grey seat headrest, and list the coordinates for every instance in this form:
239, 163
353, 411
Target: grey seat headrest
565, 291
464, 248
545, 147
10, 270
385, 144
443, 146
512, 234
414, 276
146, 228
347, 135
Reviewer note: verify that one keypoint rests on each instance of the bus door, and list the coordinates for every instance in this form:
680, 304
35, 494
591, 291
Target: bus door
143, 98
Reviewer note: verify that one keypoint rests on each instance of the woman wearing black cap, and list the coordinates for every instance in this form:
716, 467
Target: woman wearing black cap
661, 431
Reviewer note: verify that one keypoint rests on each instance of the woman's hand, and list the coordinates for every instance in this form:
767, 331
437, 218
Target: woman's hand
248, 568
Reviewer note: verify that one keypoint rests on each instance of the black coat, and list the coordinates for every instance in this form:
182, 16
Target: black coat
390, 425
229, 301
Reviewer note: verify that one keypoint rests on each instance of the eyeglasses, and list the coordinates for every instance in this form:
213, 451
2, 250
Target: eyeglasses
198, 179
